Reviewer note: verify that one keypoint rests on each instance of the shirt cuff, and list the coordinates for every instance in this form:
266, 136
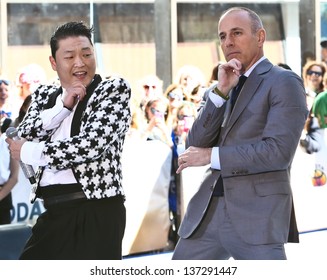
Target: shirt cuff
215, 161
52, 118
216, 99
32, 153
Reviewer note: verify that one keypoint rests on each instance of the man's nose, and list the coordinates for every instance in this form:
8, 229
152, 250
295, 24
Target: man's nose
229, 41
79, 62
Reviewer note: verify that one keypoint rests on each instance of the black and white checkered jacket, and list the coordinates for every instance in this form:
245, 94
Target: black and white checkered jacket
94, 151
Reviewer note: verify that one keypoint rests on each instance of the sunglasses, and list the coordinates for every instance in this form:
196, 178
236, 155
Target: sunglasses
311, 72
182, 117
157, 113
175, 95
147, 87
6, 82
4, 113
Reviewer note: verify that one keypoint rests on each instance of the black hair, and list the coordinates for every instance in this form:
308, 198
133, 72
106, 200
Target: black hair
69, 29
23, 110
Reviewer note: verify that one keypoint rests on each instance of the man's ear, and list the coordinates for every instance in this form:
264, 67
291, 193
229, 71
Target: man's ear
53, 63
261, 37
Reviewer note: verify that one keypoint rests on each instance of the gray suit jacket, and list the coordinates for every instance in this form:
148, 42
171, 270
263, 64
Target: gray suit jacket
257, 143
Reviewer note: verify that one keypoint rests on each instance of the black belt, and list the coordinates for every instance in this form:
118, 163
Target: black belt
54, 195
61, 193
49, 201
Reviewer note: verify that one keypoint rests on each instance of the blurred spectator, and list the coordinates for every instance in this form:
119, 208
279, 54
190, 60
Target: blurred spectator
312, 74
186, 115
175, 95
138, 122
29, 78
189, 76
319, 108
197, 95
314, 137
5, 114
8, 167
150, 87
157, 129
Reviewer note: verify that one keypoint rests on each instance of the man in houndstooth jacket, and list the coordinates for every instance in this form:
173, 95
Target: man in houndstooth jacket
75, 133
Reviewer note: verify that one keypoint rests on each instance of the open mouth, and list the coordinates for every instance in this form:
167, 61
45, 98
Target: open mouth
80, 75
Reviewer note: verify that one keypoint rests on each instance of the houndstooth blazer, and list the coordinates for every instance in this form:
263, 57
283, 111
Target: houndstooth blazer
94, 153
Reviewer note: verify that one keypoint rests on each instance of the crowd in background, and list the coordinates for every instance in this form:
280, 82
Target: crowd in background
314, 138
15, 98
167, 114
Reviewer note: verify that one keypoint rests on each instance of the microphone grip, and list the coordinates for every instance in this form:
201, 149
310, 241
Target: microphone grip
28, 170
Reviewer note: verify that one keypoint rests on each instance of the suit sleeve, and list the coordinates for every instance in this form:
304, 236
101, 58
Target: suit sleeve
206, 127
266, 135
31, 127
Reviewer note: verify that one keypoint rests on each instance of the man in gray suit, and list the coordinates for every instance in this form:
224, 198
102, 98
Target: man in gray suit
243, 208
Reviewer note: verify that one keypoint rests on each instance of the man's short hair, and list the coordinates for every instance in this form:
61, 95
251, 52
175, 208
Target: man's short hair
69, 29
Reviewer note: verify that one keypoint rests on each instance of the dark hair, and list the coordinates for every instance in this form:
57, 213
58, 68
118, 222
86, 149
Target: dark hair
214, 73
23, 110
308, 67
149, 104
69, 29
6, 123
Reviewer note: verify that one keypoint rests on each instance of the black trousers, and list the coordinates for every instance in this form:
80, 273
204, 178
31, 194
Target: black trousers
76, 230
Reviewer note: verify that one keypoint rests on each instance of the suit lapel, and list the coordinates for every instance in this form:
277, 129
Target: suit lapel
76, 122
52, 98
77, 119
248, 91
245, 96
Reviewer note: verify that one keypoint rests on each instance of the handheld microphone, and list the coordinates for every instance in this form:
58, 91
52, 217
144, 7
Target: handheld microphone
28, 170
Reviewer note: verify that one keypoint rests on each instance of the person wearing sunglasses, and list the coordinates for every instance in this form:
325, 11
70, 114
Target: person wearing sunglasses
312, 74
150, 86
175, 96
156, 129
